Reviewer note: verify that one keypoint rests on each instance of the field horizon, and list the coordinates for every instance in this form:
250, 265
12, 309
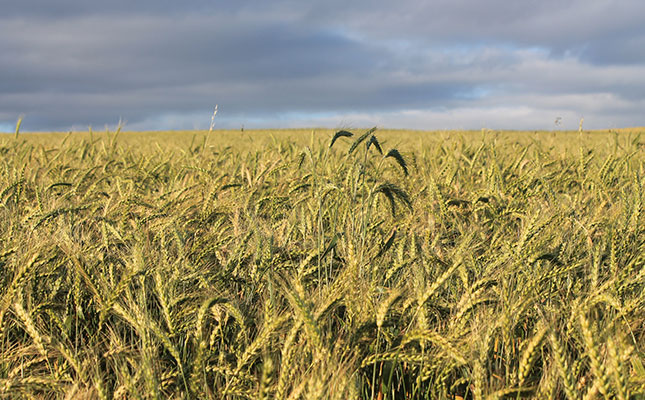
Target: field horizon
405, 137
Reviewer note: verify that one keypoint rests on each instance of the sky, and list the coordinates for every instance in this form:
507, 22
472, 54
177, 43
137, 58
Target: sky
441, 64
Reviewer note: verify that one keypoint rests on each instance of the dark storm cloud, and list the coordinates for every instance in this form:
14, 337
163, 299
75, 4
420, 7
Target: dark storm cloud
46, 9
152, 52
138, 66
164, 63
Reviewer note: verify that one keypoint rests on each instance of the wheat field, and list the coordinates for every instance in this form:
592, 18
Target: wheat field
358, 264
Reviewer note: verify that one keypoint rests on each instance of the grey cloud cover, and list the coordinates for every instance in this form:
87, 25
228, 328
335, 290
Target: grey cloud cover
409, 64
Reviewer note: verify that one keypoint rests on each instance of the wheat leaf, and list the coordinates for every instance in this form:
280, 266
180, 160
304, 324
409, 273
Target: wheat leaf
387, 244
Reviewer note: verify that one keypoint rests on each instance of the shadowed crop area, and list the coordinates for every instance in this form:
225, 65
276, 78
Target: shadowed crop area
359, 264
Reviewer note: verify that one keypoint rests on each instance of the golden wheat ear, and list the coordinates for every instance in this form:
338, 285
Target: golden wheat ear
340, 134
18, 123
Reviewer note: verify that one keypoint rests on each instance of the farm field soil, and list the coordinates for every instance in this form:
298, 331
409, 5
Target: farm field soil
299, 264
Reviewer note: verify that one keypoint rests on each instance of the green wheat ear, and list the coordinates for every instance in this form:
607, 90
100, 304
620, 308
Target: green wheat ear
394, 153
361, 139
393, 192
340, 134
374, 141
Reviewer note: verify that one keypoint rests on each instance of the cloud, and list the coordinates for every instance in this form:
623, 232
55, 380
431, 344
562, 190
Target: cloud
163, 65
